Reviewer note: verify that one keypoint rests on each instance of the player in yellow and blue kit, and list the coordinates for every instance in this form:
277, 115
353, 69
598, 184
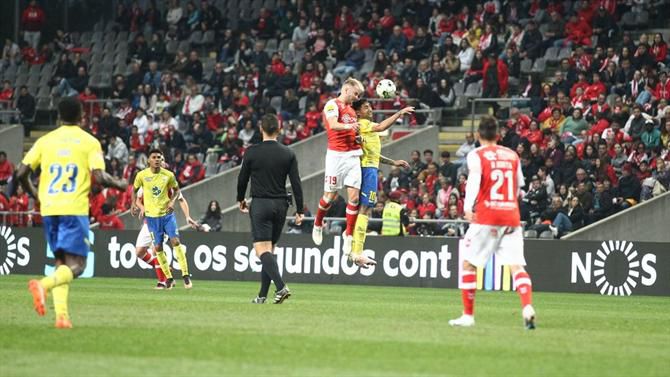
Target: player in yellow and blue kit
372, 148
67, 157
160, 191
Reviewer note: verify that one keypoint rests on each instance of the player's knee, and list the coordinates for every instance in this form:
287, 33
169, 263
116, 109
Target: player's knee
354, 202
467, 266
327, 198
141, 252
76, 263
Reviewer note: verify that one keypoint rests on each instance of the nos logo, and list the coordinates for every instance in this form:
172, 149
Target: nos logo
616, 269
15, 250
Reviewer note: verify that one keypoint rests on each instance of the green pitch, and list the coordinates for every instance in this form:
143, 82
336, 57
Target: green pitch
123, 327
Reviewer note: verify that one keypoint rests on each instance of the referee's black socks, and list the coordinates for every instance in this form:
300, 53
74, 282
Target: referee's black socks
272, 269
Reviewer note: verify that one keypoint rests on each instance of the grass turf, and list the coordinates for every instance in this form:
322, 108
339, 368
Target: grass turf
123, 327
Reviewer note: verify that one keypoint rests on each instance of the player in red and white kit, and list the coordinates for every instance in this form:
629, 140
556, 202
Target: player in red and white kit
343, 165
492, 207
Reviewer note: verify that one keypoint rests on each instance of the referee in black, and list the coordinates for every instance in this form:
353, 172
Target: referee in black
268, 164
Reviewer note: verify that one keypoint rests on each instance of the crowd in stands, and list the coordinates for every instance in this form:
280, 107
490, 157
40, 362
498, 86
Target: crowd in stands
602, 112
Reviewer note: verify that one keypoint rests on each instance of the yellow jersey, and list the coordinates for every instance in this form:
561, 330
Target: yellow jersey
156, 190
66, 156
372, 145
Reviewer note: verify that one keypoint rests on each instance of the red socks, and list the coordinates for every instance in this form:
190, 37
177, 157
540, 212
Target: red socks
324, 206
151, 260
524, 287
352, 214
468, 286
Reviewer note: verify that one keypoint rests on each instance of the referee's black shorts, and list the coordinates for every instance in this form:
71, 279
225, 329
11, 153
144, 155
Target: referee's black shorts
267, 218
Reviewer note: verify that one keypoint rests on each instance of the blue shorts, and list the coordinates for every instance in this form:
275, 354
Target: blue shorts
160, 226
369, 187
67, 233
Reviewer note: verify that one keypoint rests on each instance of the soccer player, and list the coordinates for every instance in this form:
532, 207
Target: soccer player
157, 183
492, 207
144, 241
343, 165
372, 148
67, 157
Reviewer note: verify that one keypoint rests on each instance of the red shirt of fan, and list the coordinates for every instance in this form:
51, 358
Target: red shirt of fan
497, 200
343, 140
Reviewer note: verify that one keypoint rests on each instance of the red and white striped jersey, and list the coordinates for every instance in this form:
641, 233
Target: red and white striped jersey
493, 185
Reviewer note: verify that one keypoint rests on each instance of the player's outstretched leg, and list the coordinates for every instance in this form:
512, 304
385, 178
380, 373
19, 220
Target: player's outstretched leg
360, 232
40, 288
468, 286
524, 288
317, 230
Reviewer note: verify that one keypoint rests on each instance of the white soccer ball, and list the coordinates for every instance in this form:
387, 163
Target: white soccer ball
206, 228
386, 89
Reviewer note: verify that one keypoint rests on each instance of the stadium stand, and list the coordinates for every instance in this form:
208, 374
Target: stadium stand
582, 88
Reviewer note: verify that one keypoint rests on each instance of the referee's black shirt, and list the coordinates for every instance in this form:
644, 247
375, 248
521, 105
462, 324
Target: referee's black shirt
268, 164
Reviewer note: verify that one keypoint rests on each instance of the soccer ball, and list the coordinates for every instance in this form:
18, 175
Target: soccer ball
385, 89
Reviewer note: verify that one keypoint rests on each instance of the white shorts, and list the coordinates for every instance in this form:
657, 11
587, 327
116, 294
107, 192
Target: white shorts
144, 238
482, 241
342, 171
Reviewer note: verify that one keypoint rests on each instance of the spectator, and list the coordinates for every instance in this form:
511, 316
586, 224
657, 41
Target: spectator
11, 54
73, 86
117, 149
6, 168
531, 43
201, 139
193, 102
19, 202
496, 78
354, 61
32, 20
211, 222
651, 136
109, 220
26, 105
193, 171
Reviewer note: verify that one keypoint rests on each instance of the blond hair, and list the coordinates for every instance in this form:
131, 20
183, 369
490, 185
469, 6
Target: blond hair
353, 83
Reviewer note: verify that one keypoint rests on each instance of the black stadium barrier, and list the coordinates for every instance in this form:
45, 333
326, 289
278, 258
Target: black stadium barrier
609, 267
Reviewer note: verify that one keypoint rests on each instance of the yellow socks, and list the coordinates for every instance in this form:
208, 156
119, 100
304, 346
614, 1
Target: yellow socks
62, 275
60, 294
181, 258
162, 260
360, 231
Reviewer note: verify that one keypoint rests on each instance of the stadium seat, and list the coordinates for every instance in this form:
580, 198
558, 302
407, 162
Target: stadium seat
547, 235
43, 104
276, 103
302, 105
564, 53
539, 66
171, 47
184, 46
196, 37
551, 55
211, 163
526, 66
474, 90
208, 38
283, 44
459, 88
629, 20
642, 18
530, 234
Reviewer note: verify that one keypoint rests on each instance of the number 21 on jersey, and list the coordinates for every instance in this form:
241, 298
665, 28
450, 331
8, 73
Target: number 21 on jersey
502, 181
58, 172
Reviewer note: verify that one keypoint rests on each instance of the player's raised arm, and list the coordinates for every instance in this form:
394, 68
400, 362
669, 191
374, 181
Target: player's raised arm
388, 122
107, 180
389, 161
